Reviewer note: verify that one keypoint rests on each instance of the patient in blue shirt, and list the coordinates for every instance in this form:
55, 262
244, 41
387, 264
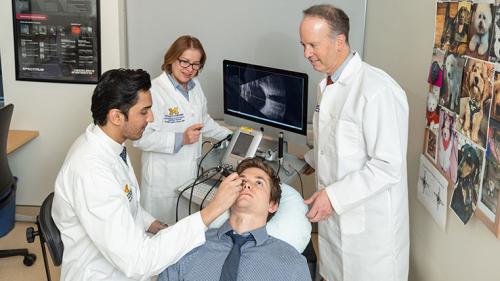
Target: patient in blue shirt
262, 257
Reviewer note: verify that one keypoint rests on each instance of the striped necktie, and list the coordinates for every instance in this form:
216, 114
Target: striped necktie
123, 155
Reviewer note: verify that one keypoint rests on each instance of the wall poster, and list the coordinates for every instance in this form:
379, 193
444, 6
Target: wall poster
57, 40
463, 99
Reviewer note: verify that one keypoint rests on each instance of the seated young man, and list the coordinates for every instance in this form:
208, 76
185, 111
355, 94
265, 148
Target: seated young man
261, 257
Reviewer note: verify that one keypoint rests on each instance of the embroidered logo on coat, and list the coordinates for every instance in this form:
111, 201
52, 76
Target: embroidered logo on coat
127, 190
173, 111
173, 116
317, 108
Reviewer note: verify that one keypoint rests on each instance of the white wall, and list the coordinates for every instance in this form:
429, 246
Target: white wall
59, 111
399, 39
259, 32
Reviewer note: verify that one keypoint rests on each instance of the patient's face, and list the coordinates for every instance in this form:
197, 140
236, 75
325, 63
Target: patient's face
255, 194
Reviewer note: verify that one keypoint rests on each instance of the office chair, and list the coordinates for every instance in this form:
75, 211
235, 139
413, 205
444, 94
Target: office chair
8, 185
49, 234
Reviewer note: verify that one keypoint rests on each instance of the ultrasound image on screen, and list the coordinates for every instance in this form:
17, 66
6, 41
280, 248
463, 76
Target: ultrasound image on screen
242, 144
264, 95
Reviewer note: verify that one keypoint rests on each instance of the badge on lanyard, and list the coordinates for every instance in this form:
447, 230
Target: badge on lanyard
129, 193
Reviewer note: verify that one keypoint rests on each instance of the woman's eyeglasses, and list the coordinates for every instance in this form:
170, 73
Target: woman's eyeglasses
186, 64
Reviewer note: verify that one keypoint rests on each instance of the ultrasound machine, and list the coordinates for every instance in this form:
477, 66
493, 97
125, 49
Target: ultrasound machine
269, 108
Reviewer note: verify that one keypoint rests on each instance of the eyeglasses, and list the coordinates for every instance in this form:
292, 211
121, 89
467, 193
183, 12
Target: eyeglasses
186, 64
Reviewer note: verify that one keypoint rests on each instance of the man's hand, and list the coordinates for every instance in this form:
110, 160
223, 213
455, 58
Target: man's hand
321, 207
156, 226
227, 193
192, 134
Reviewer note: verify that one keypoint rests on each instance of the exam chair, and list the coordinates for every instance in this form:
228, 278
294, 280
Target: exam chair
311, 258
8, 186
49, 235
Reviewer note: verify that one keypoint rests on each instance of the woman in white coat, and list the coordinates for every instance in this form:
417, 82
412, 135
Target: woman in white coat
361, 130
171, 144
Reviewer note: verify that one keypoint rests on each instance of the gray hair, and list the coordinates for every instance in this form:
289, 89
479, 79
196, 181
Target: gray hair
336, 18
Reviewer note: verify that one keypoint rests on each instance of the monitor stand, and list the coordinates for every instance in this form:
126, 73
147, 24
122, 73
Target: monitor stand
268, 149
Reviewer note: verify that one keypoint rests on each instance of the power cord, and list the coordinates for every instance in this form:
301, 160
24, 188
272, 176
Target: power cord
301, 183
197, 181
203, 158
214, 145
216, 183
279, 168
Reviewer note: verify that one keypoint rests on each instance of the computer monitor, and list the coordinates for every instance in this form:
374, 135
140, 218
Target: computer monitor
270, 99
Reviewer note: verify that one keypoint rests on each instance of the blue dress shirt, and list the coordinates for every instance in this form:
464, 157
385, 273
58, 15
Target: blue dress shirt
266, 258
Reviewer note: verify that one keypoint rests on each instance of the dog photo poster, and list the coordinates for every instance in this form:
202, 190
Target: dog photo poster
467, 52
491, 179
432, 114
449, 96
495, 100
468, 182
495, 48
481, 30
436, 69
447, 145
430, 145
477, 86
453, 19
432, 191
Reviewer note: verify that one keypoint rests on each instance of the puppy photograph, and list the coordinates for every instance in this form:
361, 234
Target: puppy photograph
476, 89
430, 145
495, 101
480, 31
495, 48
432, 114
447, 145
491, 179
445, 25
436, 69
467, 184
461, 24
450, 92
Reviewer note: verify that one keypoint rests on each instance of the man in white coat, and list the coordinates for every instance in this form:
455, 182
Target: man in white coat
360, 141
96, 202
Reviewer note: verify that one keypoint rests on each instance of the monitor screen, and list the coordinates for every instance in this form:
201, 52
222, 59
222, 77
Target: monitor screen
242, 145
266, 96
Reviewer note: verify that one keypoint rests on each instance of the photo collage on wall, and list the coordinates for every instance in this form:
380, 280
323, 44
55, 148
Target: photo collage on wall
462, 137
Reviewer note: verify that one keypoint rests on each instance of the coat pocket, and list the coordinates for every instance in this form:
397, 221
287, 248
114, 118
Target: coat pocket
349, 138
353, 221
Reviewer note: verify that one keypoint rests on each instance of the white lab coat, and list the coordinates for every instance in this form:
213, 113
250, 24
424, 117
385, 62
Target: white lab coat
164, 171
359, 154
103, 227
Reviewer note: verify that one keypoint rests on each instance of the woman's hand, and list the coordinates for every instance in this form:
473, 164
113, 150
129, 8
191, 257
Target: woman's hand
192, 134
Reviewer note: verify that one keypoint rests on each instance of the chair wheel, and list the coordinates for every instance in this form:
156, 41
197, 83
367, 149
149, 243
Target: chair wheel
30, 234
29, 259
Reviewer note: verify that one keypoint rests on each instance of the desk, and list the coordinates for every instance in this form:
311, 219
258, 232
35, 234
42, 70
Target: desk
18, 138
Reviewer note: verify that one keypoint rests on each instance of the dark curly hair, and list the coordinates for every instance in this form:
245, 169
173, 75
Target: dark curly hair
118, 89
